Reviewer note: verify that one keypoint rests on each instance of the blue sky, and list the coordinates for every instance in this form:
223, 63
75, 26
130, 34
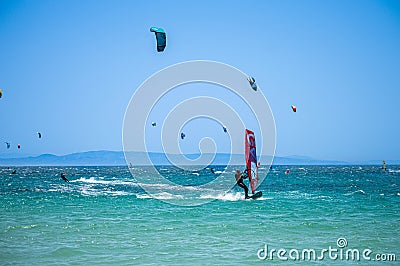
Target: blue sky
69, 69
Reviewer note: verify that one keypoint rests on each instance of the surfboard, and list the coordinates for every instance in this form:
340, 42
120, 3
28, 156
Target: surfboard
256, 195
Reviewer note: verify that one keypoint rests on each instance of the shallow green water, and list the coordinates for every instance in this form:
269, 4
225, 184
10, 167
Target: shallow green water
103, 216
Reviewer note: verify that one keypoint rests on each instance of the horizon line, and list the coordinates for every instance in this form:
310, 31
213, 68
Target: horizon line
300, 157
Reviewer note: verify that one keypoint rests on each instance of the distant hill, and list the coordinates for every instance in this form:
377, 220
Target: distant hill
76, 159
114, 158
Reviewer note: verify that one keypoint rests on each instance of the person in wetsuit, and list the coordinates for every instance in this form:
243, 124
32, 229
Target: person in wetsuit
239, 181
64, 177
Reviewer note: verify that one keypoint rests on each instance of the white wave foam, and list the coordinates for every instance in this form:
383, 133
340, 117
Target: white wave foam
143, 196
323, 197
394, 171
92, 180
360, 191
93, 192
302, 195
230, 196
170, 187
227, 196
161, 196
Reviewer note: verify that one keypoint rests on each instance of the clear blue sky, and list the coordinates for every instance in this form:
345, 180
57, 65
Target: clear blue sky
69, 68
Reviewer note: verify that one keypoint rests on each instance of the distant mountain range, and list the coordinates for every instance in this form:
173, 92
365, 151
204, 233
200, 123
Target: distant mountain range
115, 158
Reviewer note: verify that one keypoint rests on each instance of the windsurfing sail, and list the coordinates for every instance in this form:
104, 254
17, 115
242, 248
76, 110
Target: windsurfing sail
251, 159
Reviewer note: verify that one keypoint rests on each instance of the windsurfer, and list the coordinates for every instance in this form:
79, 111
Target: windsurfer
239, 181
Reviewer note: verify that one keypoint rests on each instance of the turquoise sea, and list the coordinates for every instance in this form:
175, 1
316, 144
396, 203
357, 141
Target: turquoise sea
104, 217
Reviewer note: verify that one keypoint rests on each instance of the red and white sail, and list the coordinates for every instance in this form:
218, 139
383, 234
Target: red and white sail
251, 159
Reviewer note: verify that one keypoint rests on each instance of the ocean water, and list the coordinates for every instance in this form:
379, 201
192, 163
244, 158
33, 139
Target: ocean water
104, 217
